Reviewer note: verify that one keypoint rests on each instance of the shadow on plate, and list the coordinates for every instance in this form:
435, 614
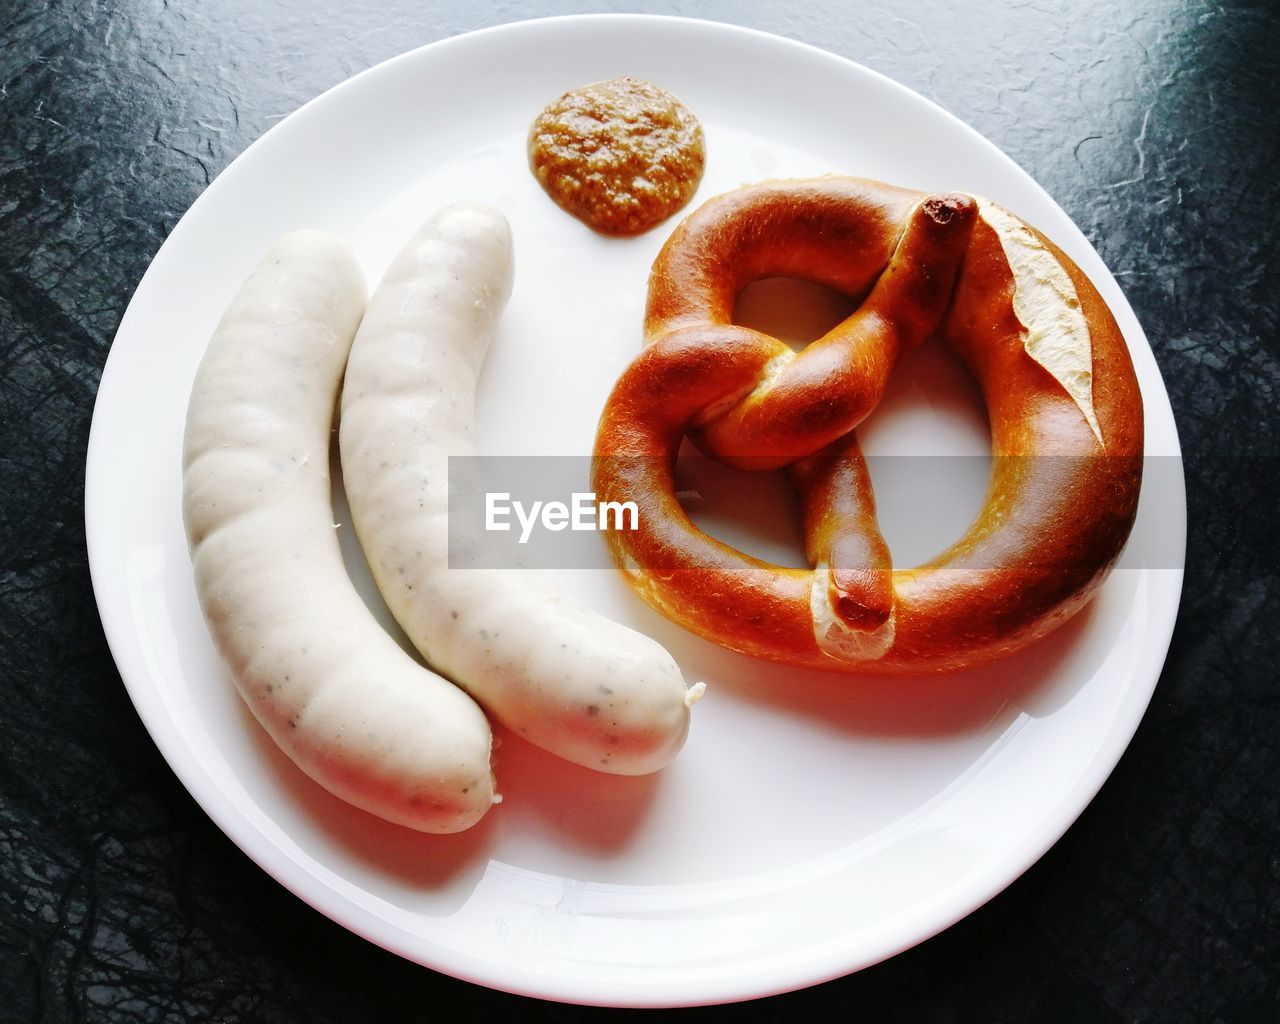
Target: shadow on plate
588, 810
592, 811
451, 864
1035, 681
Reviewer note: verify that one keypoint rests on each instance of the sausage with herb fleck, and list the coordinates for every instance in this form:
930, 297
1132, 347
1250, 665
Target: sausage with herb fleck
350, 708
569, 680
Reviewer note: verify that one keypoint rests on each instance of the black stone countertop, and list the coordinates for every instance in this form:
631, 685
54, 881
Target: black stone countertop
1153, 122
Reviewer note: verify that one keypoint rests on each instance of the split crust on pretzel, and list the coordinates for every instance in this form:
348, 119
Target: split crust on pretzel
1063, 402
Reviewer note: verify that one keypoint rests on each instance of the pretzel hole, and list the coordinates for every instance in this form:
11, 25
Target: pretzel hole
757, 513
791, 309
928, 448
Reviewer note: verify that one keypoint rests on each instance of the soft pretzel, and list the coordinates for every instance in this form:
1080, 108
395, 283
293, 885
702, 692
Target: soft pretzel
1064, 406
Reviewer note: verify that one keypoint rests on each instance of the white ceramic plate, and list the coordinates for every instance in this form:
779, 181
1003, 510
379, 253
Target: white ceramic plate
813, 824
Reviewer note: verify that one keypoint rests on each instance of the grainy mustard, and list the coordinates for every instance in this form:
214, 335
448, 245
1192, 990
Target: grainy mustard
621, 155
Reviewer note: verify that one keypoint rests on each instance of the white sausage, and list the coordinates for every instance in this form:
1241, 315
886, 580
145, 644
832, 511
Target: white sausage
569, 680
353, 710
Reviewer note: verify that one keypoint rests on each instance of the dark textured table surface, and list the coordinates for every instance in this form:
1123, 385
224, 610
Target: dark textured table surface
1153, 122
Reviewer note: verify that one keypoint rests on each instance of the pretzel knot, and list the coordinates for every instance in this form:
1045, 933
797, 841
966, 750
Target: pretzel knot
1063, 402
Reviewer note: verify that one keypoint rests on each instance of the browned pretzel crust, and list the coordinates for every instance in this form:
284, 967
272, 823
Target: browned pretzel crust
1063, 401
